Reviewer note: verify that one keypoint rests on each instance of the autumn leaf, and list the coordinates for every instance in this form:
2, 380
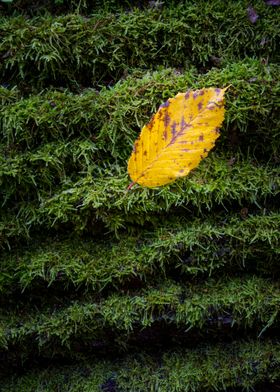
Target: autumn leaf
178, 136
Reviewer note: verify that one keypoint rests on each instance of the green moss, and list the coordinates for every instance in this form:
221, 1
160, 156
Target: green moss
113, 117
73, 49
187, 246
217, 367
8, 96
106, 200
61, 151
87, 377
88, 269
247, 302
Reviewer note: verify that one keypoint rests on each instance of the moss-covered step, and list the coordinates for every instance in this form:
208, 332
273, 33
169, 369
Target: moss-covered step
185, 248
245, 365
92, 202
55, 321
111, 119
73, 49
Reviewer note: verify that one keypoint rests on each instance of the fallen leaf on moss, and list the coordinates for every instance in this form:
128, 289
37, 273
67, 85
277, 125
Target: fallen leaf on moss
178, 136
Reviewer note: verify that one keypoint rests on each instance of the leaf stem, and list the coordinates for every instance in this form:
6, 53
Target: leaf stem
131, 185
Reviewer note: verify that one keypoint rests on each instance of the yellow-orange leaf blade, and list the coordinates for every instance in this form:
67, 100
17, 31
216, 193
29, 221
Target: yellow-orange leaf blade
178, 136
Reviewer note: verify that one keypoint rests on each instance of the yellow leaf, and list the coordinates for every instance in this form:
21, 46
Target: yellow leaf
178, 136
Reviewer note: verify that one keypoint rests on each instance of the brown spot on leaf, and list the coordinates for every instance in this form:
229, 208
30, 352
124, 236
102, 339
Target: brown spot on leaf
183, 124
135, 147
145, 153
165, 104
201, 92
160, 114
185, 149
150, 125
199, 106
195, 94
205, 150
167, 119
173, 128
201, 138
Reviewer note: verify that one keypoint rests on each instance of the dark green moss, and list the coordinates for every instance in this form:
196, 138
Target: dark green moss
73, 49
142, 289
217, 367
188, 247
92, 200
245, 303
113, 117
